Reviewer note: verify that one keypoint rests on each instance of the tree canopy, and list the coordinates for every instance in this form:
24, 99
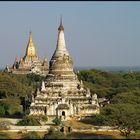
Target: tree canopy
123, 92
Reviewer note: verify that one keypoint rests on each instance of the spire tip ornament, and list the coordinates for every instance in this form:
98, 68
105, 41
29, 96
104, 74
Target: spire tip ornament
61, 27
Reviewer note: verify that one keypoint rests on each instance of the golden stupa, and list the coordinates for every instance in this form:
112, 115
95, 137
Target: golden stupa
30, 63
30, 50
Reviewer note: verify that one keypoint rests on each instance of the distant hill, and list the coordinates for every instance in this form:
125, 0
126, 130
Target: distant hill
105, 68
111, 68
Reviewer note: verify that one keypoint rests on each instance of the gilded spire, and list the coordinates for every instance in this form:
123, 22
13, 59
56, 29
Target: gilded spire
30, 51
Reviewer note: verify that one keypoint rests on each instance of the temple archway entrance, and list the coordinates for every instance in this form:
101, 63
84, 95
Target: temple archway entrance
62, 129
63, 113
45, 111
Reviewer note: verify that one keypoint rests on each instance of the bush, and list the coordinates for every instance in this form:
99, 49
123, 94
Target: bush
96, 120
2, 111
41, 118
33, 120
57, 121
31, 135
29, 121
52, 134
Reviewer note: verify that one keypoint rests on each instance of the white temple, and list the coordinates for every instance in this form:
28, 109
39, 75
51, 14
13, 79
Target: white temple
62, 94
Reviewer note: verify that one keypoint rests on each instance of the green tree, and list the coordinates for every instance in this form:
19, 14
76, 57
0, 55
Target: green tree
2, 111
95, 120
125, 116
132, 97
11, 107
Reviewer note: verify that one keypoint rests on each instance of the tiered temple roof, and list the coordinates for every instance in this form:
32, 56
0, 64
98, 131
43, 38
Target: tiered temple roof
62, 93
30, 63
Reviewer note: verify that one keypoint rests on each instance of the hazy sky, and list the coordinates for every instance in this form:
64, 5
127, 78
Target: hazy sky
96, 33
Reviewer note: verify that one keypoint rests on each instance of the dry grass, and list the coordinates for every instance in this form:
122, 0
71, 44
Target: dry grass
96, 135
19, 135
76, 124
15, 135
78, 135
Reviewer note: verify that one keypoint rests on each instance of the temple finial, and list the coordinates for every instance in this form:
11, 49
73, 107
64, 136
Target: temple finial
61, 27
30, 33
60, 19
30, 50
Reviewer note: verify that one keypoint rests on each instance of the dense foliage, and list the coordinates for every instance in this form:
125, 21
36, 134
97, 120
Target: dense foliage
122, 89
10, 107
12, 85
123, 92
29, 121
108, 84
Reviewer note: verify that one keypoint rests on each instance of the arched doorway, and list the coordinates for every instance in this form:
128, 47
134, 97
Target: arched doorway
63, 113
45, 111
69, 129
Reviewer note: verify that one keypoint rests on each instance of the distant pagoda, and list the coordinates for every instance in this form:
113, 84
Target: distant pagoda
30, 63
62, 94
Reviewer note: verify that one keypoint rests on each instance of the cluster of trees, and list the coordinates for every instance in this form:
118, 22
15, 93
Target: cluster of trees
108, 84
15, 91
12, 85
10, 107
123, 91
